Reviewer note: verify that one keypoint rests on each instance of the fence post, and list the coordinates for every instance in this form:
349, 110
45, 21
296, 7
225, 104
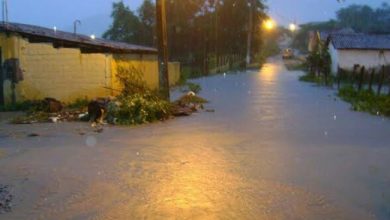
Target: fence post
381, 80
355, 67
361, 78
371, 80
339, 73
388, 77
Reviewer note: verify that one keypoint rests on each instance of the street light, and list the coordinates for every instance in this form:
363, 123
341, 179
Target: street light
293, 27
269, 24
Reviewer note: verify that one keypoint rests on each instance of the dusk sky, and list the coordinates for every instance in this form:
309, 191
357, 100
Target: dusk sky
94, 14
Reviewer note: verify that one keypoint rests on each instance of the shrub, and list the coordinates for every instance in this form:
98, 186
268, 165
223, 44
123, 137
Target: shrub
138, 109
137, 104
194, 87
366, 101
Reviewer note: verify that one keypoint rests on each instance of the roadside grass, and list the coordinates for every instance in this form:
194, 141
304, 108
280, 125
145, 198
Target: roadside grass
362, 101
320, 80
366, 101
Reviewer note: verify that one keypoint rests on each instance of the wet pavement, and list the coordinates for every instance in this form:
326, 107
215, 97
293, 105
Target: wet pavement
275, 148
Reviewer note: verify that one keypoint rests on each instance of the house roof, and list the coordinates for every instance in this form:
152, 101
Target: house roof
324, 35
360, 41
37, 34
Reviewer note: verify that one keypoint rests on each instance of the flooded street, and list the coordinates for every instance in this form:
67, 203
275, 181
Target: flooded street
275, 148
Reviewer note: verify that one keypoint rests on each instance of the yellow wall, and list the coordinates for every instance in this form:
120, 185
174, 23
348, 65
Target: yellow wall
67, 74
8, 46
64, 74
147, 64
174, 73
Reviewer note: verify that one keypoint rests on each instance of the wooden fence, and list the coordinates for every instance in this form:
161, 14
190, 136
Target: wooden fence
373, 79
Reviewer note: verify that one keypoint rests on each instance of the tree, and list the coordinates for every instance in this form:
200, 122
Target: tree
363, 18
125, 25
201, 33
147, 18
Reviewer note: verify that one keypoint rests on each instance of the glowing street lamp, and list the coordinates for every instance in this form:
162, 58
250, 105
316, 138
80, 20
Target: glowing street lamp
293, 27
269, 24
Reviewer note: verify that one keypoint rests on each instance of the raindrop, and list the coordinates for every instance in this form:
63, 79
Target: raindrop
137, 153
335, 117
326, 133
377, 113
90, 141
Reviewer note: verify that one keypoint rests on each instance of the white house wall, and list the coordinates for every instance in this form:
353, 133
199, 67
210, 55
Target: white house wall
368, 58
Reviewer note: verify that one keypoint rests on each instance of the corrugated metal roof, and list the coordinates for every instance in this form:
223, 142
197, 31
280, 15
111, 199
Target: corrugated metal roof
66, 39
324, 35
361, 41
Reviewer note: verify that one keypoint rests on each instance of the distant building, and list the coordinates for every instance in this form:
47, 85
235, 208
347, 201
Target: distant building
348, 50
318, 38
40, 62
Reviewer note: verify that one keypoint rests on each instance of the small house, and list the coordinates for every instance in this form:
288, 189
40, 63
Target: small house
348, 50
39, 62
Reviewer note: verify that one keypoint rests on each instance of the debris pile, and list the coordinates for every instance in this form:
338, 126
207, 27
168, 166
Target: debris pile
187, 104
125, 110
48, 110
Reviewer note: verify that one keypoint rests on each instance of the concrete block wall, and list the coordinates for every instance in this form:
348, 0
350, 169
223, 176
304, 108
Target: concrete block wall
146, 64
64, 74
67, 74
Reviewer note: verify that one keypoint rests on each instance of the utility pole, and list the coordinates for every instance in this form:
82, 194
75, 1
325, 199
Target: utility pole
161, 22
5, 11
75, 26
250, 28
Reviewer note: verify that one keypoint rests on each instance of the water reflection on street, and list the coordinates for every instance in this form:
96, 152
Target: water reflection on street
272, 150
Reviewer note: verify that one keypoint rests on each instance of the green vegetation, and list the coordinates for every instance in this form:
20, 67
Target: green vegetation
312, 78
318, 66
216, 30
366, 101
190, 86
376, 21
139, 109
318, 79
137, 104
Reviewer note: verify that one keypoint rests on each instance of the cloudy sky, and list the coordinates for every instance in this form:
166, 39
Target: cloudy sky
94, 14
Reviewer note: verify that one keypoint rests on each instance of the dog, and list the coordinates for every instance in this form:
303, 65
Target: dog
97, 110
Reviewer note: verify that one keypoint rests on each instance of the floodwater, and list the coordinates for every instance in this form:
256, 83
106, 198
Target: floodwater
275, 148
